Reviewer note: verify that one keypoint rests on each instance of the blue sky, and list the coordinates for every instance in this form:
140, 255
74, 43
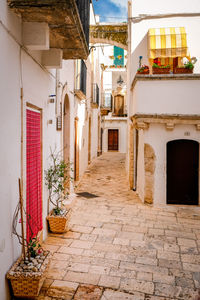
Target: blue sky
111, 10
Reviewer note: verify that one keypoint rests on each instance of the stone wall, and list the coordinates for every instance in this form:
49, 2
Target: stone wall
131, 156
149, 165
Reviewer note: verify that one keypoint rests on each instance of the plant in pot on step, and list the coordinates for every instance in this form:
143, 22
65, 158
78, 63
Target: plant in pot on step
57, 179
29, 271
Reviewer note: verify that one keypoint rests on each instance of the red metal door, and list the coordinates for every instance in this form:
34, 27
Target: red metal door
33, 174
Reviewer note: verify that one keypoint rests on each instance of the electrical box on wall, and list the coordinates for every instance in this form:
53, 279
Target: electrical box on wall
52, 98
59, 123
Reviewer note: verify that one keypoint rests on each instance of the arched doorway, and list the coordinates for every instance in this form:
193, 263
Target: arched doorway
182, 172
89, 140
66, 131
76, 150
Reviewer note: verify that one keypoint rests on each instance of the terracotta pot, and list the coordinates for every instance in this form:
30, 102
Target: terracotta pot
183, 70
160, 70
58, 224
28, 284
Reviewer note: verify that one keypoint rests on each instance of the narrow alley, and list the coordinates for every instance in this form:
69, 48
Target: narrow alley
118, 248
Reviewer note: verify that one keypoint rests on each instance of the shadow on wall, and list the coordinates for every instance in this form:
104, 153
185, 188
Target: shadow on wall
140, 50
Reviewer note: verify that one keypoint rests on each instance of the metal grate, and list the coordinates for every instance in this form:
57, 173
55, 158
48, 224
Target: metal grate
33, 174
86, 195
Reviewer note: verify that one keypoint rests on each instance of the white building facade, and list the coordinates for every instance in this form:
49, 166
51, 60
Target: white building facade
164, 111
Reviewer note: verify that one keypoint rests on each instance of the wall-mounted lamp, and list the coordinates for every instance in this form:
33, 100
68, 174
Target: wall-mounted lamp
140, 61
120, 81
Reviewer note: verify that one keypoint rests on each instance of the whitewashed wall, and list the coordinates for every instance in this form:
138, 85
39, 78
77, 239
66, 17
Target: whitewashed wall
165, 97
10, 144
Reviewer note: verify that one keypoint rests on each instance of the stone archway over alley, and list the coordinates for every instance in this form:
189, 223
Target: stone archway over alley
118, 248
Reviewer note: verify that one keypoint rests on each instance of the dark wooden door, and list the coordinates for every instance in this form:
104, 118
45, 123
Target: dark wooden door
112, 139
182, 172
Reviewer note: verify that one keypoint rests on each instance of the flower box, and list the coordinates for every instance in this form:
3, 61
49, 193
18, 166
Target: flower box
161, 70
183, 70
143, 72
28, 284
58, 223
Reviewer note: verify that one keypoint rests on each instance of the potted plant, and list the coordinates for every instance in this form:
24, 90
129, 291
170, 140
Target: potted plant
29, 271
160, 69
28, 274
57, 179
186, 69
143, 70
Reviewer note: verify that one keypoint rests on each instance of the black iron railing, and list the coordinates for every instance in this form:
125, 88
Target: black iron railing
84, 13
95, 98
83, 79
81, 76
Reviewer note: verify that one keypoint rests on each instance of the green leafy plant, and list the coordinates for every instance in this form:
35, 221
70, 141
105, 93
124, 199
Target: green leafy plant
143, 68
57, 179
34, 247
160, 66
189, 65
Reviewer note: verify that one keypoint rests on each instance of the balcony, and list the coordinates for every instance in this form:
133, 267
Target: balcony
95, 97
84, 13
81, 79
68, 21
106, 103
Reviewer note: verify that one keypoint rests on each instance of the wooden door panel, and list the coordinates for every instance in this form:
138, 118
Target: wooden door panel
182, 172
112, 139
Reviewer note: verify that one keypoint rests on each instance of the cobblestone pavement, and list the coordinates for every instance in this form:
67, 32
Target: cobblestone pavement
118, 248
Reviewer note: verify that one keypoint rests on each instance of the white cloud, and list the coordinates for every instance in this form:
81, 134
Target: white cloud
120, 3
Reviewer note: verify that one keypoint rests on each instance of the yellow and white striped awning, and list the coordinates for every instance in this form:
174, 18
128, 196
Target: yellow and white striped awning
167, 42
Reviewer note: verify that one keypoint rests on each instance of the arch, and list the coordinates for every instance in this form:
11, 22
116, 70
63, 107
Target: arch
115, 35
183, 172
149, 165
89, 139
66, 129
108, 41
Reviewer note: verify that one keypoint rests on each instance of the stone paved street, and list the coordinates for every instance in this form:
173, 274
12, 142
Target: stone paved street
118, 248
